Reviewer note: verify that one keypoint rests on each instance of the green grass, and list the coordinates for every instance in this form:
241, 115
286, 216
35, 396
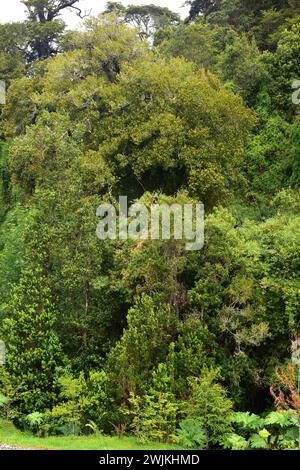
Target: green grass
12, 436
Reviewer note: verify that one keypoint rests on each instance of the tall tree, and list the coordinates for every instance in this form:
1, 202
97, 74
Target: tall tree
33, 349
148, 19
13, 45
201, 7
47, 10
46, 26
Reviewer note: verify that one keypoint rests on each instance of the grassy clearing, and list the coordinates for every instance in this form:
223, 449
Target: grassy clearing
12, 436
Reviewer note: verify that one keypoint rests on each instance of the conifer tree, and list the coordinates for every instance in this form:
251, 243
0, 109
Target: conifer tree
32, 347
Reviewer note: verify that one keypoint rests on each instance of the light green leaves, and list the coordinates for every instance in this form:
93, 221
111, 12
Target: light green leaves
191, 434
247, 421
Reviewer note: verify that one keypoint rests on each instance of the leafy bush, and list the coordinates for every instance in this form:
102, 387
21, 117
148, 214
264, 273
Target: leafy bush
83, 404
11, 392
98, 406
191, 434
209, 404
3, 401
35, 420
277, 430
93, 427
154, 416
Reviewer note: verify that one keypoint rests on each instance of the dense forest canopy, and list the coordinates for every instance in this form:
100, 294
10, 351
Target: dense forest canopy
148, 338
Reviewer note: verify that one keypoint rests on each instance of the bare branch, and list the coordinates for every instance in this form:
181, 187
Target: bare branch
79, 12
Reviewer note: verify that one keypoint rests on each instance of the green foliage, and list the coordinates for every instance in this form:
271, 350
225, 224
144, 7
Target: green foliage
13, 234
65, 417
99, 407
147, 19
45, 26
4, 180
266, 19
203, 44
144, 344
154, 416
202, 7
13, 42
211, 406
3, 400
33, 349
285, 68
191, 435
162, 137
93, 427
10, 393
35, 420
248, 421
275, 431
143, 327
242, 63
83, 403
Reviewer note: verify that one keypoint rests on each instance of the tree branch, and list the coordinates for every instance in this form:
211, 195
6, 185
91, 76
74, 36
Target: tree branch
61, 6
79, 12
